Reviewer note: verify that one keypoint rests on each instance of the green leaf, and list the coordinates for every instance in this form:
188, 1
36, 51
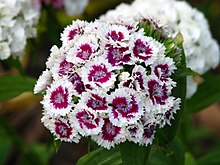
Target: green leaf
212, 158
172, 153
5, 148
11, 86
183, 72
101, 156
207, 93
189, 159
132, 153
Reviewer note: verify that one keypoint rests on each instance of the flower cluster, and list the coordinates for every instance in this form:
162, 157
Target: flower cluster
202, 51
72, 7
16, 25
108, 81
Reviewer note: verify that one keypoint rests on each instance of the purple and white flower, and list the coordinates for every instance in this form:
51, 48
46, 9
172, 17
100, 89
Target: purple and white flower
108, 81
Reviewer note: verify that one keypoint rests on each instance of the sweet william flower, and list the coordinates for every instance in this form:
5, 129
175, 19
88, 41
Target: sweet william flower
109, 80
201, 49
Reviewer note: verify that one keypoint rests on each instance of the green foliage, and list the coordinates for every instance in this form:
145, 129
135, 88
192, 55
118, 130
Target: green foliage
170, 154
189, 159
12, 86
208, 93
5, 148
212, 158
132, 153
102, 156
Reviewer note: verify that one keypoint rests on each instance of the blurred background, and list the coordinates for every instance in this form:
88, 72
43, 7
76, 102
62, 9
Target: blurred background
24, 139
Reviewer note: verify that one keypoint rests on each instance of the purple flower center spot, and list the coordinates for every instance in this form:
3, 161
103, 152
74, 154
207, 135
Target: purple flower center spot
157, 92
116, 36
77, 83
97, 103
84, 52
109, 131
87, 119
72, 34
65, 67
117, 55
59, 97
162, 71
142, 50
63, 130
99, 73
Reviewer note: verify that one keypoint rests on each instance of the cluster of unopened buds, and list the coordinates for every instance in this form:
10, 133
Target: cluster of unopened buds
108, 81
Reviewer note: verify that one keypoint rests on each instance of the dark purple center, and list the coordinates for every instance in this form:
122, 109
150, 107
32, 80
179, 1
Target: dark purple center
148, 132
142, 50
109, 131
116, 36
85, 51
77, 83
157, 92
72, 34
99, 73
87, 119
97, 102
62, 129
162, 71
65, 67
122, 106
117, 55
59, 97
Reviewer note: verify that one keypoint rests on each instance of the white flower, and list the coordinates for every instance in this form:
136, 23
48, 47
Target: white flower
61, 128
43, 81
17, 22
98, 73
108, 81
125, 107
58, 98
72, 31
86, 120
110, 135
4, 50
84, 48
201, 50
146, 49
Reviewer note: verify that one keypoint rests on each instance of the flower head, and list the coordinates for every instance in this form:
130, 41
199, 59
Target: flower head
109, 81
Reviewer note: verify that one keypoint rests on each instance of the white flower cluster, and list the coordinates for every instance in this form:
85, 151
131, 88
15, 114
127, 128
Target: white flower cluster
72, 7
17, 20
202, 51
108, 81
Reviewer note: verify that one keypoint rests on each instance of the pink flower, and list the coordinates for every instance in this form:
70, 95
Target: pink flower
86, 120
62, 128
58, 99
110, 135
125, 107
158, 91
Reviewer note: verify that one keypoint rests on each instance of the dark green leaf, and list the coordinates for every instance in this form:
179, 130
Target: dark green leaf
132, 153
101, 156
172, 153
11, 86
5, 148
212, 158
207, 93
